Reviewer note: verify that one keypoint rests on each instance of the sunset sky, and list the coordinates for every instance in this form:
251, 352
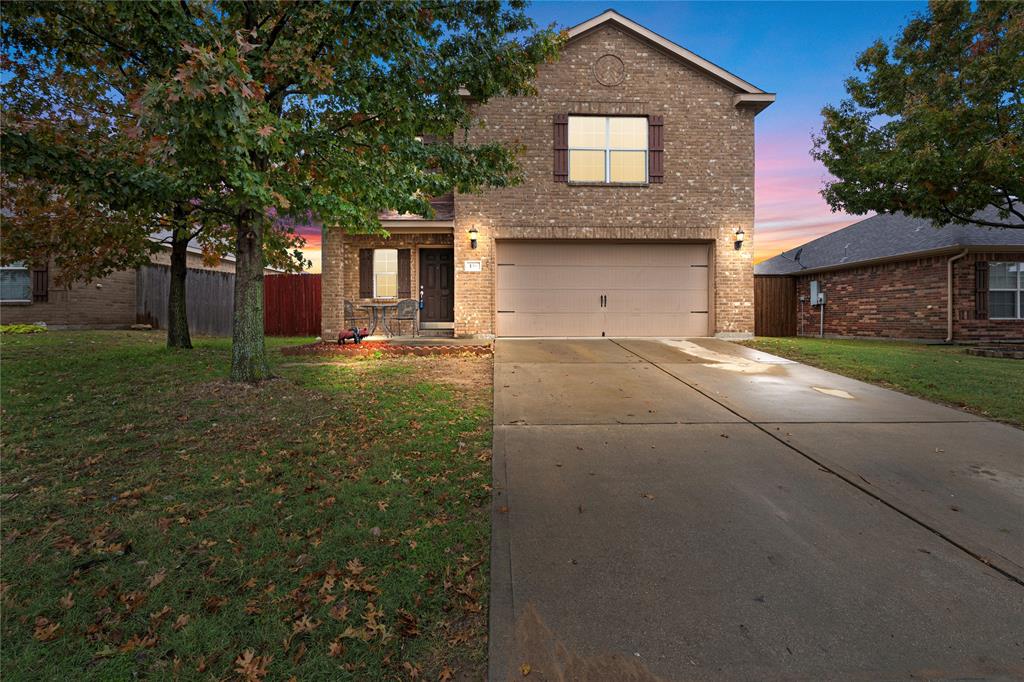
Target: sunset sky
801, 50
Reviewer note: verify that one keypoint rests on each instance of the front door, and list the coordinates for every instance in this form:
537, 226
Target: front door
437, 287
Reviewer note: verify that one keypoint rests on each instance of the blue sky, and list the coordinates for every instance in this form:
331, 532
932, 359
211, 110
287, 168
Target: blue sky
801, 50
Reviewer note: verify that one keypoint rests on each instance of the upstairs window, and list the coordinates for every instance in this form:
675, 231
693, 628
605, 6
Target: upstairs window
1006, 291
15, 283
608, 149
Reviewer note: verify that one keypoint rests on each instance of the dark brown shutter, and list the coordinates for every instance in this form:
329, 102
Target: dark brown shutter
981, 290
365, 273
404, 273
41, 283
561, 147
656, 149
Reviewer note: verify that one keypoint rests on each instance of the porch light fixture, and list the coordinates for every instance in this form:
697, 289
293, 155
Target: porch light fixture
740, 236
474, 234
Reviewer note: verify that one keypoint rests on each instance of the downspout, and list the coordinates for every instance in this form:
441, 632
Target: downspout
949, 294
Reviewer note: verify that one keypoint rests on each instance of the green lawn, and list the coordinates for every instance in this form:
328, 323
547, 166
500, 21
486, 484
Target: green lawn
160, 522
993, 387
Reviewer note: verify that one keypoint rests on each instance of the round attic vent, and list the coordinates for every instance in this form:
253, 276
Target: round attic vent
609, 70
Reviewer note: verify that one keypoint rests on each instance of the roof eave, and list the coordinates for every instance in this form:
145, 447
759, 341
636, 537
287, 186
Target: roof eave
910, 255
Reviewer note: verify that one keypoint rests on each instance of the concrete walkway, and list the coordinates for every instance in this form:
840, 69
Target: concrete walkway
693, 509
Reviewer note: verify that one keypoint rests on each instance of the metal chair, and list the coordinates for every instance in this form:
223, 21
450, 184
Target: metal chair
353, 318
408, 309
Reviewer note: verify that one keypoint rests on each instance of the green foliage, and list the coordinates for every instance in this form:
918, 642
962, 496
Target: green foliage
161, 528
21, 329
935, 126
993, 387
253, 110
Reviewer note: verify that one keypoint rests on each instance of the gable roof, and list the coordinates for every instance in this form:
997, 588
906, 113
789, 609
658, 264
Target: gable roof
746, 92
889, 236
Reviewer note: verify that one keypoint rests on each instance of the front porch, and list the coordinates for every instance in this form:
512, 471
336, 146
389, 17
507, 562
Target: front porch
399, 286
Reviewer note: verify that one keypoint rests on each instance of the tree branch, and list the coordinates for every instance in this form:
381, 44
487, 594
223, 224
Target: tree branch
975, 221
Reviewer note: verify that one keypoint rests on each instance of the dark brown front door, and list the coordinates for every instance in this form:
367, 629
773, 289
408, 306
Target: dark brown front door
437, 285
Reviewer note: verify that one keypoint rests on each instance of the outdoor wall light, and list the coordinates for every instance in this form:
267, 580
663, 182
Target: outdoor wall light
740, 236
474, 234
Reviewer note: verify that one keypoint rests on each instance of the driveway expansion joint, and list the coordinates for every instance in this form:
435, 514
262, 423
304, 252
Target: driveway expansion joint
846, 477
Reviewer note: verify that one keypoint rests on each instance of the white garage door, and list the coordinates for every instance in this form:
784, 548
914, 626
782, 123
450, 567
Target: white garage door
602, 289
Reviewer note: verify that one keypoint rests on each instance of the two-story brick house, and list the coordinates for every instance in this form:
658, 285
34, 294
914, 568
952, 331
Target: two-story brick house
638, 194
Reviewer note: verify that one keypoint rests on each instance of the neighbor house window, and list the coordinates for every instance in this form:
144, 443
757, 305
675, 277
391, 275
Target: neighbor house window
1006, 291
608, 149
385, 273
15, 283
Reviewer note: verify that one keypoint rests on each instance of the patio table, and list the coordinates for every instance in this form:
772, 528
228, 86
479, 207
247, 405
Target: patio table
379, 315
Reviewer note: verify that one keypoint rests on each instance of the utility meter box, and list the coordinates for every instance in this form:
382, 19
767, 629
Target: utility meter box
817, 295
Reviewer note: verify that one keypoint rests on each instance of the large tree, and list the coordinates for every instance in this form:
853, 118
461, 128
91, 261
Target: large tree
317, 107
85, 184
934, 125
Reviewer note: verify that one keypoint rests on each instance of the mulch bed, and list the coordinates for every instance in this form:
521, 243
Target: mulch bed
385, 347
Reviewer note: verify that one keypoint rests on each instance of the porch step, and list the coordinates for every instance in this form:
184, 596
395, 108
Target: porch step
437, 333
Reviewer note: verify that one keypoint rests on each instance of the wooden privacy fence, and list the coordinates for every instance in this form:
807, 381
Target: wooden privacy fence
209, 296
291, 305
774, 306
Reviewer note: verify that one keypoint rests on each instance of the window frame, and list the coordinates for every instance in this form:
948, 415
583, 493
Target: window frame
377, 273
607, 150
22, 266
1018, 291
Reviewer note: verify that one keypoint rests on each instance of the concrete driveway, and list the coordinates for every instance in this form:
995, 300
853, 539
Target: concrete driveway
693, 509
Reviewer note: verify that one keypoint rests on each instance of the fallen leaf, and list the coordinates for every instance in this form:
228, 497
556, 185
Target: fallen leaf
157, 578
355, 567
181, 621
525, 669
67, 601
446, 674
335, 648
45, 630
252, 667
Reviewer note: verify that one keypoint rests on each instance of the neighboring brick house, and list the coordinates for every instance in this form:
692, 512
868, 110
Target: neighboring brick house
639, 173
30, 294
891, 275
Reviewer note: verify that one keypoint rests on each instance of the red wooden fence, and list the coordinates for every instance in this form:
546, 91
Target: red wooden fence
291, 305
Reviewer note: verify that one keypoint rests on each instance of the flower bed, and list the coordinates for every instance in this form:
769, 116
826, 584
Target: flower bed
384, 348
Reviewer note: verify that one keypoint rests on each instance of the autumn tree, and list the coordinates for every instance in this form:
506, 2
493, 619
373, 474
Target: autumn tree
84, 184
934, 125
321, 108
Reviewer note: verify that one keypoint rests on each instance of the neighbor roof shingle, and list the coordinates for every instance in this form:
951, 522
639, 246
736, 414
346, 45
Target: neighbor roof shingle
888, 235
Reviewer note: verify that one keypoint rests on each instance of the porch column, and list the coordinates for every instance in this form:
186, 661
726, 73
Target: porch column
332, 282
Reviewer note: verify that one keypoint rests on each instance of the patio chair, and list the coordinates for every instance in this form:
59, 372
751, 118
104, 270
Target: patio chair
355, 318
408, 309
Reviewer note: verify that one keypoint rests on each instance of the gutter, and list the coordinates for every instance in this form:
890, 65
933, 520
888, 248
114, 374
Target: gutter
949, 294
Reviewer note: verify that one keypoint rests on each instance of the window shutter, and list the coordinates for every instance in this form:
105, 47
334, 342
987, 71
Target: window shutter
981, 290
561, 147
41, 283
365, 273
656, 149
404, 273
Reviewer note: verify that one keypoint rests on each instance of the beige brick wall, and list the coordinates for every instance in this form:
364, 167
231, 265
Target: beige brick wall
707, 194
340, 278
105, 303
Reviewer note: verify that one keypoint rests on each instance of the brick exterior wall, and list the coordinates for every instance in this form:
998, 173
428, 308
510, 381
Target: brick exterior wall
902, 300
104, 303
707, 193
340, 274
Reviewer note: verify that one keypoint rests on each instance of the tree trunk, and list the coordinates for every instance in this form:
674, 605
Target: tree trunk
177, 304
248, 353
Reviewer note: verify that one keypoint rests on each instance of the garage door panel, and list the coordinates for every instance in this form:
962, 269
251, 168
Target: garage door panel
556, 289
658, 301
549, 324
602, 254
589, 278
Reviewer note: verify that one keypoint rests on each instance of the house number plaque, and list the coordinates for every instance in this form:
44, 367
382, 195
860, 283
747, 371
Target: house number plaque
472, 266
